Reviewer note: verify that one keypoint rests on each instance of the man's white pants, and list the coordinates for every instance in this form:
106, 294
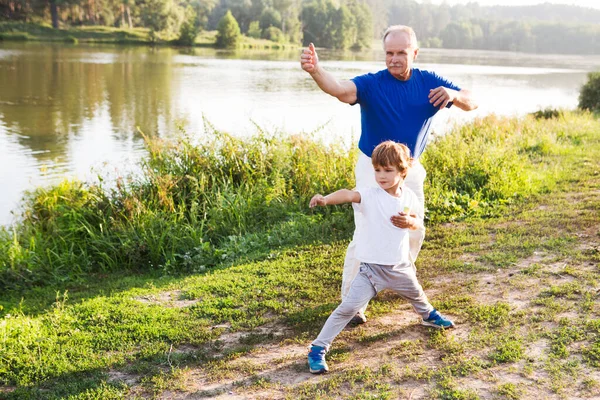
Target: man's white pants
365, 177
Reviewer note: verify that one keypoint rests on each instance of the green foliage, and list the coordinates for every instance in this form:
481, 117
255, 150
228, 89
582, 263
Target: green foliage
510, 391
193, 208
274, 34
364, 25
318, 23
160, 16
163, 333
254, 30
344, 23
509, 350
589, 97
229, 32
189, 28
337, 27
488, 163
526, 29
270, 17
547, 113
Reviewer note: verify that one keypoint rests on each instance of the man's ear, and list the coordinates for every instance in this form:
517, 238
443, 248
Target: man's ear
416, 54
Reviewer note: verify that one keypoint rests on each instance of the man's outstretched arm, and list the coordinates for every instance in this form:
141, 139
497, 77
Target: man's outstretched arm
343, 90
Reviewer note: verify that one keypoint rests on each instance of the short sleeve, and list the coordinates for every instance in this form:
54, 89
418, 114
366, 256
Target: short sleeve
362, 83
365, 197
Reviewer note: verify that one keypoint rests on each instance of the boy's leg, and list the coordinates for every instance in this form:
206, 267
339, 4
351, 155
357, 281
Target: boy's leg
365, 177
414, 181
403, 280
361, 291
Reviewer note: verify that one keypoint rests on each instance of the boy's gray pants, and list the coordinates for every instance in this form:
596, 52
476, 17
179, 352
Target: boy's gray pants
371, 279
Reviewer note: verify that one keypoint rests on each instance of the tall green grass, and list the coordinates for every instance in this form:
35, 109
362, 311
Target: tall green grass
227, 199
191, 208
494, 161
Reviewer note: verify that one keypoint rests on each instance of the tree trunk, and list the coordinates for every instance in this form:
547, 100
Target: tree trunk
54, 13
92, 11
128, 12
122, 25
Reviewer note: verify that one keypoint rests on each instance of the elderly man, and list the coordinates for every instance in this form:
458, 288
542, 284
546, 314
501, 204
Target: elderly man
397, 103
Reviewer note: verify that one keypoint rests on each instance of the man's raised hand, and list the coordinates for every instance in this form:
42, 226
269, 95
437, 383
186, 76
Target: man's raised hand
441, 96
309, 59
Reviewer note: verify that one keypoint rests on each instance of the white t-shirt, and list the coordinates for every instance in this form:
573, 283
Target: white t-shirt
378, 241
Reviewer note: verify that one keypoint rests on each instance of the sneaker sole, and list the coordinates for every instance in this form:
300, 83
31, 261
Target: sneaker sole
318, 371
425, 323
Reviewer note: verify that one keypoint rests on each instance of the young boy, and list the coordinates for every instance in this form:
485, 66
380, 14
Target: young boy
382, 248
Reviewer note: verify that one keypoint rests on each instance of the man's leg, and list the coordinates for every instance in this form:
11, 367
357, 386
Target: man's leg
414, 181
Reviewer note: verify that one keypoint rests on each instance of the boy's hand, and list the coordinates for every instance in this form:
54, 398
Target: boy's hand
317, 200
403, 221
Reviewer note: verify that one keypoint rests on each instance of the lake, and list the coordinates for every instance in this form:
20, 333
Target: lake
75, 110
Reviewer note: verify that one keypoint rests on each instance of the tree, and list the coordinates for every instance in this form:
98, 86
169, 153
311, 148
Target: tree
241, 10
160, 15
229, 31
189, 28
203, 9
54, 13
364, 25
254, 30
589, 97
457, 36
274, 34
270, 17
293, 29
318, 26
126, 13
344, 24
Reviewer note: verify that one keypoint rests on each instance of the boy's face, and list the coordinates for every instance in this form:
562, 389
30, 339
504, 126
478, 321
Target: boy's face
388, 176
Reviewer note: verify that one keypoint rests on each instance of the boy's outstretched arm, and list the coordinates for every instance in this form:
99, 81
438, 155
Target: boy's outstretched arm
339, 197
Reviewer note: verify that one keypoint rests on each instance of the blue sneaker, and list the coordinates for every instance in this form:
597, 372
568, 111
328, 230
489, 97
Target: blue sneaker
316, 360
437, 320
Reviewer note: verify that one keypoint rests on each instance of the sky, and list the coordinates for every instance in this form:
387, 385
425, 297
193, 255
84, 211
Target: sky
582, 3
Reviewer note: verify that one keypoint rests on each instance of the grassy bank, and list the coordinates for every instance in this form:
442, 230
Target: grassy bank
208, 275
20, 31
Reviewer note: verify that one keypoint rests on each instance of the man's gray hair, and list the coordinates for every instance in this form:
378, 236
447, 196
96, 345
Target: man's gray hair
405, 29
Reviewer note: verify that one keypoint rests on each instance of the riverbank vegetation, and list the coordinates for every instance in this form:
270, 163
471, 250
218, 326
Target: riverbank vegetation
225, 200
208, 273
18, 31
589, 96
545, 28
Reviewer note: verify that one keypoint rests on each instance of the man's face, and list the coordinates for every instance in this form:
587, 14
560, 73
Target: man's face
399, 54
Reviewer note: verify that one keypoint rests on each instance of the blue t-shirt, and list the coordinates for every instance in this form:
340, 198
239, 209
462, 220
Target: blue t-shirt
397, 110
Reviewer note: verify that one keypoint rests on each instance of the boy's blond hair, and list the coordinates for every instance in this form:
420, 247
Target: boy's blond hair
390, 153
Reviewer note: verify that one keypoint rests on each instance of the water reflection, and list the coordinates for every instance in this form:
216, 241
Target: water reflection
65, 109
